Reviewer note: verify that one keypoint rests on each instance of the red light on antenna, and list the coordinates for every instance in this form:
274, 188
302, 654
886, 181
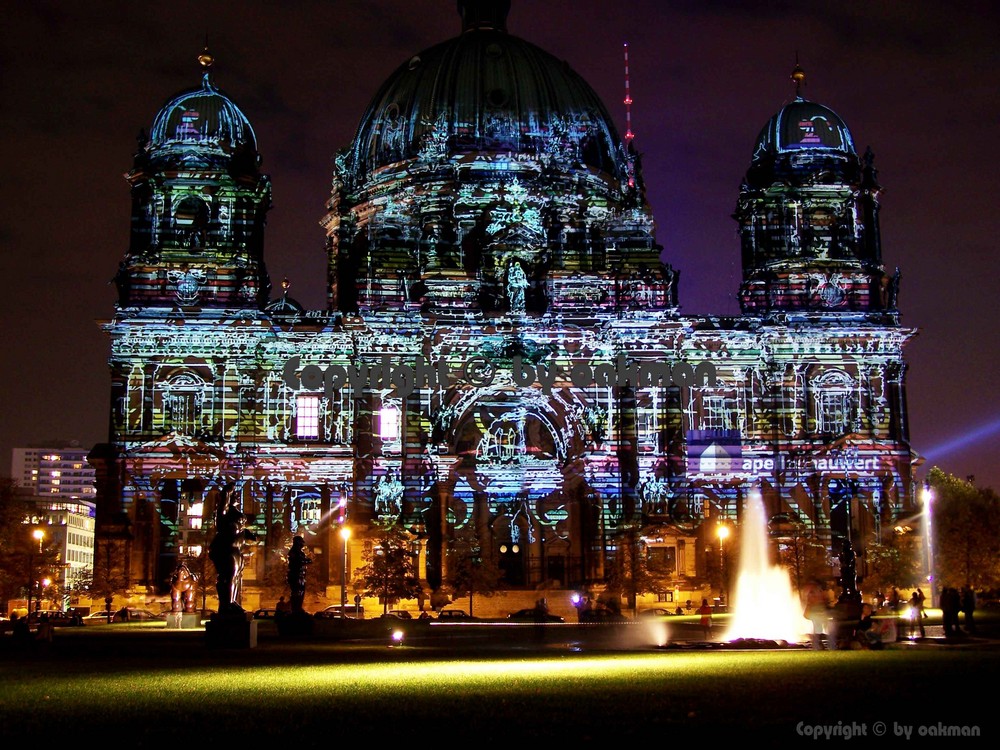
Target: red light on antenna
629, 135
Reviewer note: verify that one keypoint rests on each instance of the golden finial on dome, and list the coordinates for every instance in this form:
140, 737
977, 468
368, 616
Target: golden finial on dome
285, 284
206, 59
798, 76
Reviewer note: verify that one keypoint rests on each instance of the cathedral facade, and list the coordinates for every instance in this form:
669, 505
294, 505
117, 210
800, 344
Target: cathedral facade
502, 355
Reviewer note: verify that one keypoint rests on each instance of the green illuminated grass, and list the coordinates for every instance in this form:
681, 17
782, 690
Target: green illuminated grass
107, 685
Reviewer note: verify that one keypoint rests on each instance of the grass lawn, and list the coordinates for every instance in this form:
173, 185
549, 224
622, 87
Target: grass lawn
152, 688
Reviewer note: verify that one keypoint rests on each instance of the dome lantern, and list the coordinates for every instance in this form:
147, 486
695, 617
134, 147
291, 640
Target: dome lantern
484, 14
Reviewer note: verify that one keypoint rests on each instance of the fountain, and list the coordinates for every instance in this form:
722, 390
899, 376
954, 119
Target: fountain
765, 606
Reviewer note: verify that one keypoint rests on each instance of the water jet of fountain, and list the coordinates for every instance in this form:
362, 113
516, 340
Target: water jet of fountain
765, 606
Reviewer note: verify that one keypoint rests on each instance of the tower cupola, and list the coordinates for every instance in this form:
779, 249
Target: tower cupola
199, 205
808, 217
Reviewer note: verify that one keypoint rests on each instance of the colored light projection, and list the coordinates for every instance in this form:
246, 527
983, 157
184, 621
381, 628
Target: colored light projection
482, 225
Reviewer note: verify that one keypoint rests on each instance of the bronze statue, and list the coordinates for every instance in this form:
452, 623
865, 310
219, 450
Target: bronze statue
226, 554
182, 588
297, 562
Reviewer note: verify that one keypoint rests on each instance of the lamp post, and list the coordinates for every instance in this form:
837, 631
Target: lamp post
723, 532
928, 496
39, 535
345, 534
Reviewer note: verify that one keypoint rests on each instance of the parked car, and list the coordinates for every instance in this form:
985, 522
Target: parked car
532, 615
98, 618
656, 612
337, 612
57, 617
144, 615
602, 614
455, 615
399, 614
135, 614
268, 613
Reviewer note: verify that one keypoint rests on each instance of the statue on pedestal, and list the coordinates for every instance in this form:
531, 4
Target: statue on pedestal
182, 588
226, 554
849, 601
297, 562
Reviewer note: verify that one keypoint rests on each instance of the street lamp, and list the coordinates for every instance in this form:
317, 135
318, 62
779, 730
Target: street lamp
723, 532
345, 534
928, 496
39, 535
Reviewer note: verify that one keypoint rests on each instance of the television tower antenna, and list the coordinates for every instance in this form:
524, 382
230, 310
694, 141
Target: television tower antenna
629, 135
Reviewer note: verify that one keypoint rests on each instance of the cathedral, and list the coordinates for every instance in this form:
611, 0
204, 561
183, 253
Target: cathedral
502, 357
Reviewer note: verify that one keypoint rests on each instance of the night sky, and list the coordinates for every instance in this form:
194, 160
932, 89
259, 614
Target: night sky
917, 81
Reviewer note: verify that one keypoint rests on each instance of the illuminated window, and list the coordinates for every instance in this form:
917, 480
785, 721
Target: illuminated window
311, 512
194, 515
388, 423
307, 417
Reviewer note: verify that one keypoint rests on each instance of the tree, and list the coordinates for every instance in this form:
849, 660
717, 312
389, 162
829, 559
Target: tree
389, 571
23, 559
629, 574
965, 525
473, 567
800, 551
110, 572
13, 540
896, 562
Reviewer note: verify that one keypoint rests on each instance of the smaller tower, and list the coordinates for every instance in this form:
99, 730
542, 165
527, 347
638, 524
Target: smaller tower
808, 217
199, 205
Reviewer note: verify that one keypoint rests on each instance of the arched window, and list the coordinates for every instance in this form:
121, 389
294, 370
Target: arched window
182, 401
835, 402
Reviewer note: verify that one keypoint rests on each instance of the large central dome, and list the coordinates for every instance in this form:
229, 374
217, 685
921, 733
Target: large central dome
487, 179
484, 90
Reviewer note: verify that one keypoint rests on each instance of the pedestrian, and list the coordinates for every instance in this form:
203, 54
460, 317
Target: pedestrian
951, 603
917, 613
894, 600
866, 634
968, 607
818, 613
19, 628
705, 610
